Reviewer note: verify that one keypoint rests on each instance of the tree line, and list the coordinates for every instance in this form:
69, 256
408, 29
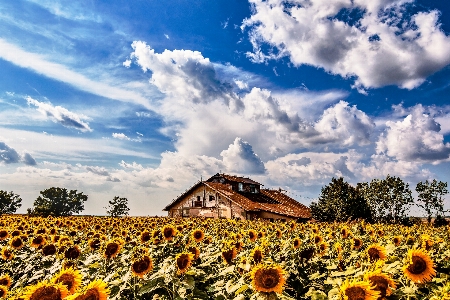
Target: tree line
57, 201
381, 201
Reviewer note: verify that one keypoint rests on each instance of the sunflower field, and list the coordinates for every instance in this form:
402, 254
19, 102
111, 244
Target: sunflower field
165, 258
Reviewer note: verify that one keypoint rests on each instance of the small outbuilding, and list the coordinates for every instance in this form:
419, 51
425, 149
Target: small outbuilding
228, 196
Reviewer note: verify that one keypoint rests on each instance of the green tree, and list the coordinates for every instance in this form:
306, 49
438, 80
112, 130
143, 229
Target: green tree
389, 199
430, 194
340, 201
117, 207
9, 202
57, 201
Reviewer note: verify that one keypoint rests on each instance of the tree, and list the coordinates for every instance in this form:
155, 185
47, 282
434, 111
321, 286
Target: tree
339, 201
117, 207
9, 202
57, 201
389, 199
431, 195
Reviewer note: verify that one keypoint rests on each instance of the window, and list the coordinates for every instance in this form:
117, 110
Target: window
240, 187
211, 198
252, 188
198, 198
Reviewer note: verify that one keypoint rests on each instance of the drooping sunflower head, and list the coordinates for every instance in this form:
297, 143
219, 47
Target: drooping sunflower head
112, 248
198, 235
322, 248
376, 252
94, 244
268, 278
183, 261
427, 242
358, 290
169, 232
96, 290
5, 280
381, 282
142, 266
345, 232
70, 278
419, 267
46, 290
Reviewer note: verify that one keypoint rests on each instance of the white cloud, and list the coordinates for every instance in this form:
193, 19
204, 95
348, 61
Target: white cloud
384, 47
240, 158
41, 65
9, 155
61, 115
415, 138
120, 136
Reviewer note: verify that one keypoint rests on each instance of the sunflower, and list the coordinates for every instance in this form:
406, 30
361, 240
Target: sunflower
358, 290
229, 254
257, 255
345, 232
7, 254
198, 235
397, 240
278, 233
252, 235
3, 291
357, 243
46, 290
112, 248
307, 253
72, 252
318, 239
322, 248
94, 244
296, 243
169, 232
38, 241
142, 266
96, 290
70, 278
49, 249
427, 242
183, 261
194, 250
5, 280
381, 283
4, 234
419, 266
145, 236
16, 243
376, 252
268, 278
238, 245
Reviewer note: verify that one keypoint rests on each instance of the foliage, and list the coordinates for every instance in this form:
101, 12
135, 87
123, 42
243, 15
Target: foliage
389, 199
339, 201
430, 194
9, 202
117, 207
57, 201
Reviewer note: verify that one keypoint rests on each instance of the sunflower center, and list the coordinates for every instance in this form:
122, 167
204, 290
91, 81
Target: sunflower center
355, 293
4, 281
91, 294
46, 293
17, 242
257, 256
418, 266
182, 262
269, 278
2, 292
72, 253
198, 235
49, 249
229, 255
145, 237
357, 243
38, 240
67, 280
111, 249
141, 265
168, 232
374, 253
3, 234
381, 284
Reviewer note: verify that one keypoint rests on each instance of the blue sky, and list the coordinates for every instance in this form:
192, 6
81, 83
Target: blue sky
141, 99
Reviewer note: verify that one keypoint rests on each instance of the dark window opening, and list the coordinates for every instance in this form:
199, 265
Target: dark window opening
211, 198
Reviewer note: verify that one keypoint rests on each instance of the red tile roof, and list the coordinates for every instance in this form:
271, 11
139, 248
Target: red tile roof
235, 178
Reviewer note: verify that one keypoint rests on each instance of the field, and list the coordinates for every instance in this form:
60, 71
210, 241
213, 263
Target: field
163, 258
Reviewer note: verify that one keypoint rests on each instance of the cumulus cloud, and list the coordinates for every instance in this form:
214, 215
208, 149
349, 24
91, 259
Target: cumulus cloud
382, 46
61, 115
416, 137
120, 136
9, 155
240, 158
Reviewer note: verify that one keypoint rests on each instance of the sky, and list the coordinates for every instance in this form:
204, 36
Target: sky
141, 99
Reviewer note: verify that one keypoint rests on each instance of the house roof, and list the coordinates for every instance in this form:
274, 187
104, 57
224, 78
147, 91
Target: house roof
267, 200
235, 178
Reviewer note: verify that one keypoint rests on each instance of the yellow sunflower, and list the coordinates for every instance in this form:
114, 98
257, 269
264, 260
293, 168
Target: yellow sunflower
419, 266
318, 239
112, 248
183, 261
257, 255
96, 290
46, 290
252, 235
38, 241
3, 291
381, 283
142, 266
5, 280
72, 252
16, 243
358, 290
169, 232
198, 235
194, 250
357, 243
268, 278
397, 240
70, 278
49, 249
4, 234
296, 243
7, 253
376, 252
145, 236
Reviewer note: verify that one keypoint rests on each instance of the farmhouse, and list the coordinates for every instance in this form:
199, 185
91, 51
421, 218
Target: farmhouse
227, 196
